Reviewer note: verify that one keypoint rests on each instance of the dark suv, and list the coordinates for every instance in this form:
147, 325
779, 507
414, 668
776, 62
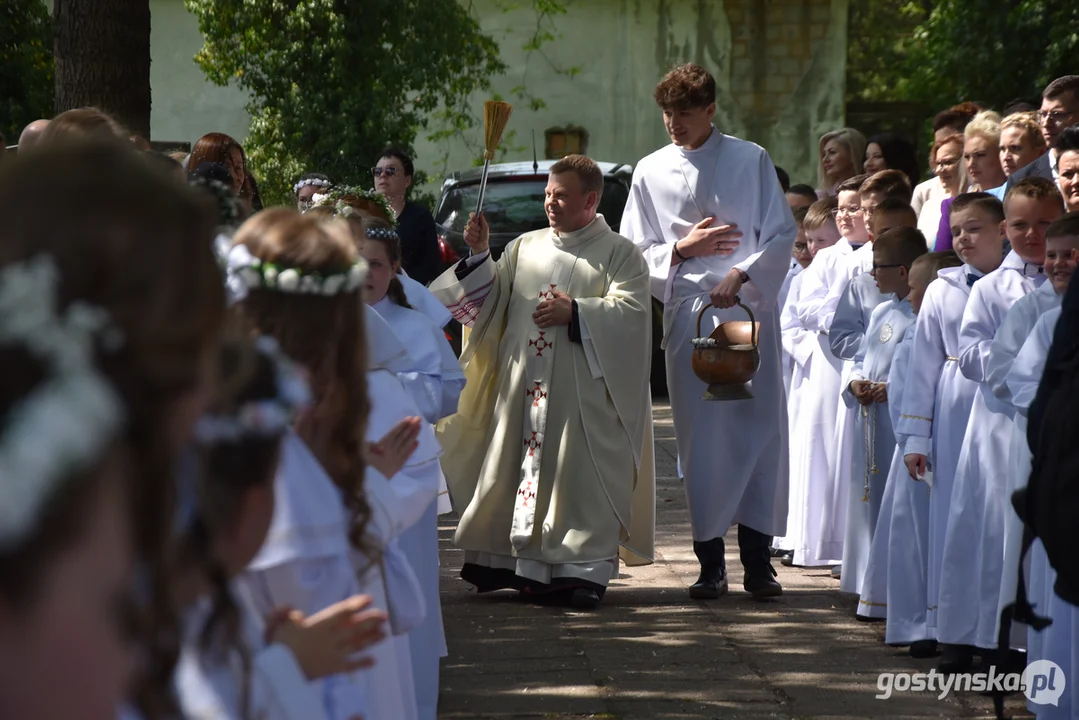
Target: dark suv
513, 206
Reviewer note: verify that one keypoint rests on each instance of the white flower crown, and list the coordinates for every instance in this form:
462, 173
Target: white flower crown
333, 199
62, 426
316, 182
246, 272
261, 418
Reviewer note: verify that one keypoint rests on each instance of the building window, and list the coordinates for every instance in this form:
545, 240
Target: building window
563, 141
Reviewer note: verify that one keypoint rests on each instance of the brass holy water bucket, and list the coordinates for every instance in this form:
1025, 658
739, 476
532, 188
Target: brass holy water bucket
728, 358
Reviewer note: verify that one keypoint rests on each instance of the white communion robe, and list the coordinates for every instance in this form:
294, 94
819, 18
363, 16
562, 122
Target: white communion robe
1003, 354
974, 540
211, 682
825, 286
874, 439
936, 407
908, 541
550, 455
810, 419
1059, 642
304, 563
787, 362
734, 453
873, 599
389, 361
424, 300
846, 337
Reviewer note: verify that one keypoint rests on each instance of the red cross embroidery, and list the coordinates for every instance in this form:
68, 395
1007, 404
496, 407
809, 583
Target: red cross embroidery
541, 343
548, 294
533, 444
526, 493
536, 394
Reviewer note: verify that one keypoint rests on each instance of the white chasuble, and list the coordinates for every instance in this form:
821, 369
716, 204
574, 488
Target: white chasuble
936, 406
734, 454
549, 456
974, 540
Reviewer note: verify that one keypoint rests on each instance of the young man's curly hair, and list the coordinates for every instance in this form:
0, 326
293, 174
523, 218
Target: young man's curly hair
687, 86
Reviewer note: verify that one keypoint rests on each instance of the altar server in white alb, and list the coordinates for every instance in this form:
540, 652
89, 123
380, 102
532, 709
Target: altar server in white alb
895, 583
811, 421
826, 283
974, 541
1059, 641
1061, 245
936, 403
549, 457
714, 225
894, 253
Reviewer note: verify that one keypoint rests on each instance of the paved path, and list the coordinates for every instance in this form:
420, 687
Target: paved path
651, 652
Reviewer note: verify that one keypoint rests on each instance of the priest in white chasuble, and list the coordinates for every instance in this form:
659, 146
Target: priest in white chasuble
549, 458
714, 226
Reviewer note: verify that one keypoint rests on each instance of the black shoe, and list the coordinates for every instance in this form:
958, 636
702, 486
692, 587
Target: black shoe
712, 581
777, 553
955, 659
868, 618
924, 649
708, 588
787, 560
761, 585
584, 599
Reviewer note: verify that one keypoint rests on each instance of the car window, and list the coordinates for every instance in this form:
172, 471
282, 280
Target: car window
516, 206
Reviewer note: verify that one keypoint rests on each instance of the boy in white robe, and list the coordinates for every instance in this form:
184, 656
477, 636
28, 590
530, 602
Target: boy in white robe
894, 252
895, 582
714, 227
825, 284
800, 261
936, 403
974, 539
884, 198
1061, 244
812, 365
1059, 642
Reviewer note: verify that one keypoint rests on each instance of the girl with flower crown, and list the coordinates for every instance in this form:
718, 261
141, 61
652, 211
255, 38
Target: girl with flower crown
434, 382
356, 206
299, 282
239, 443
65, 533
137, 246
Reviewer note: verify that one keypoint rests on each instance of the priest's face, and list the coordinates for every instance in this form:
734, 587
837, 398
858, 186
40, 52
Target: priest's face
1060, 260
689, 127
567, 205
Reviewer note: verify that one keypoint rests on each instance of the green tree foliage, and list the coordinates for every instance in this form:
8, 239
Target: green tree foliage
332, 82
26, 89
940, 52
992, 51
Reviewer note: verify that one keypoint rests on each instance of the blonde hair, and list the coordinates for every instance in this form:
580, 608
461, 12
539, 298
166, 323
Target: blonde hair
820, 213
985, 125
1028, 123
855, 143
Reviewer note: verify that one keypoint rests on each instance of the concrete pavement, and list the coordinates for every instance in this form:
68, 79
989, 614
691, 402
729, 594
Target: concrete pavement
651, 652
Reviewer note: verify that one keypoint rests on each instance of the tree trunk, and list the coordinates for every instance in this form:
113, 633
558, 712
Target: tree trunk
102, 54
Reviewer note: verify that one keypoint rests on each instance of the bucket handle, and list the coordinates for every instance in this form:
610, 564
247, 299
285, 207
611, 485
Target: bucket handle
752, 320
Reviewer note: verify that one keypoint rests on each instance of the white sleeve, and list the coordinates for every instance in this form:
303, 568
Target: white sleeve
976, 334
927, 362
641, 226
589, 349
1025, 374
1004, 348
846, 336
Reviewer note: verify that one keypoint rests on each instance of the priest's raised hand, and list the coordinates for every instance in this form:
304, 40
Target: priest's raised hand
477, 234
